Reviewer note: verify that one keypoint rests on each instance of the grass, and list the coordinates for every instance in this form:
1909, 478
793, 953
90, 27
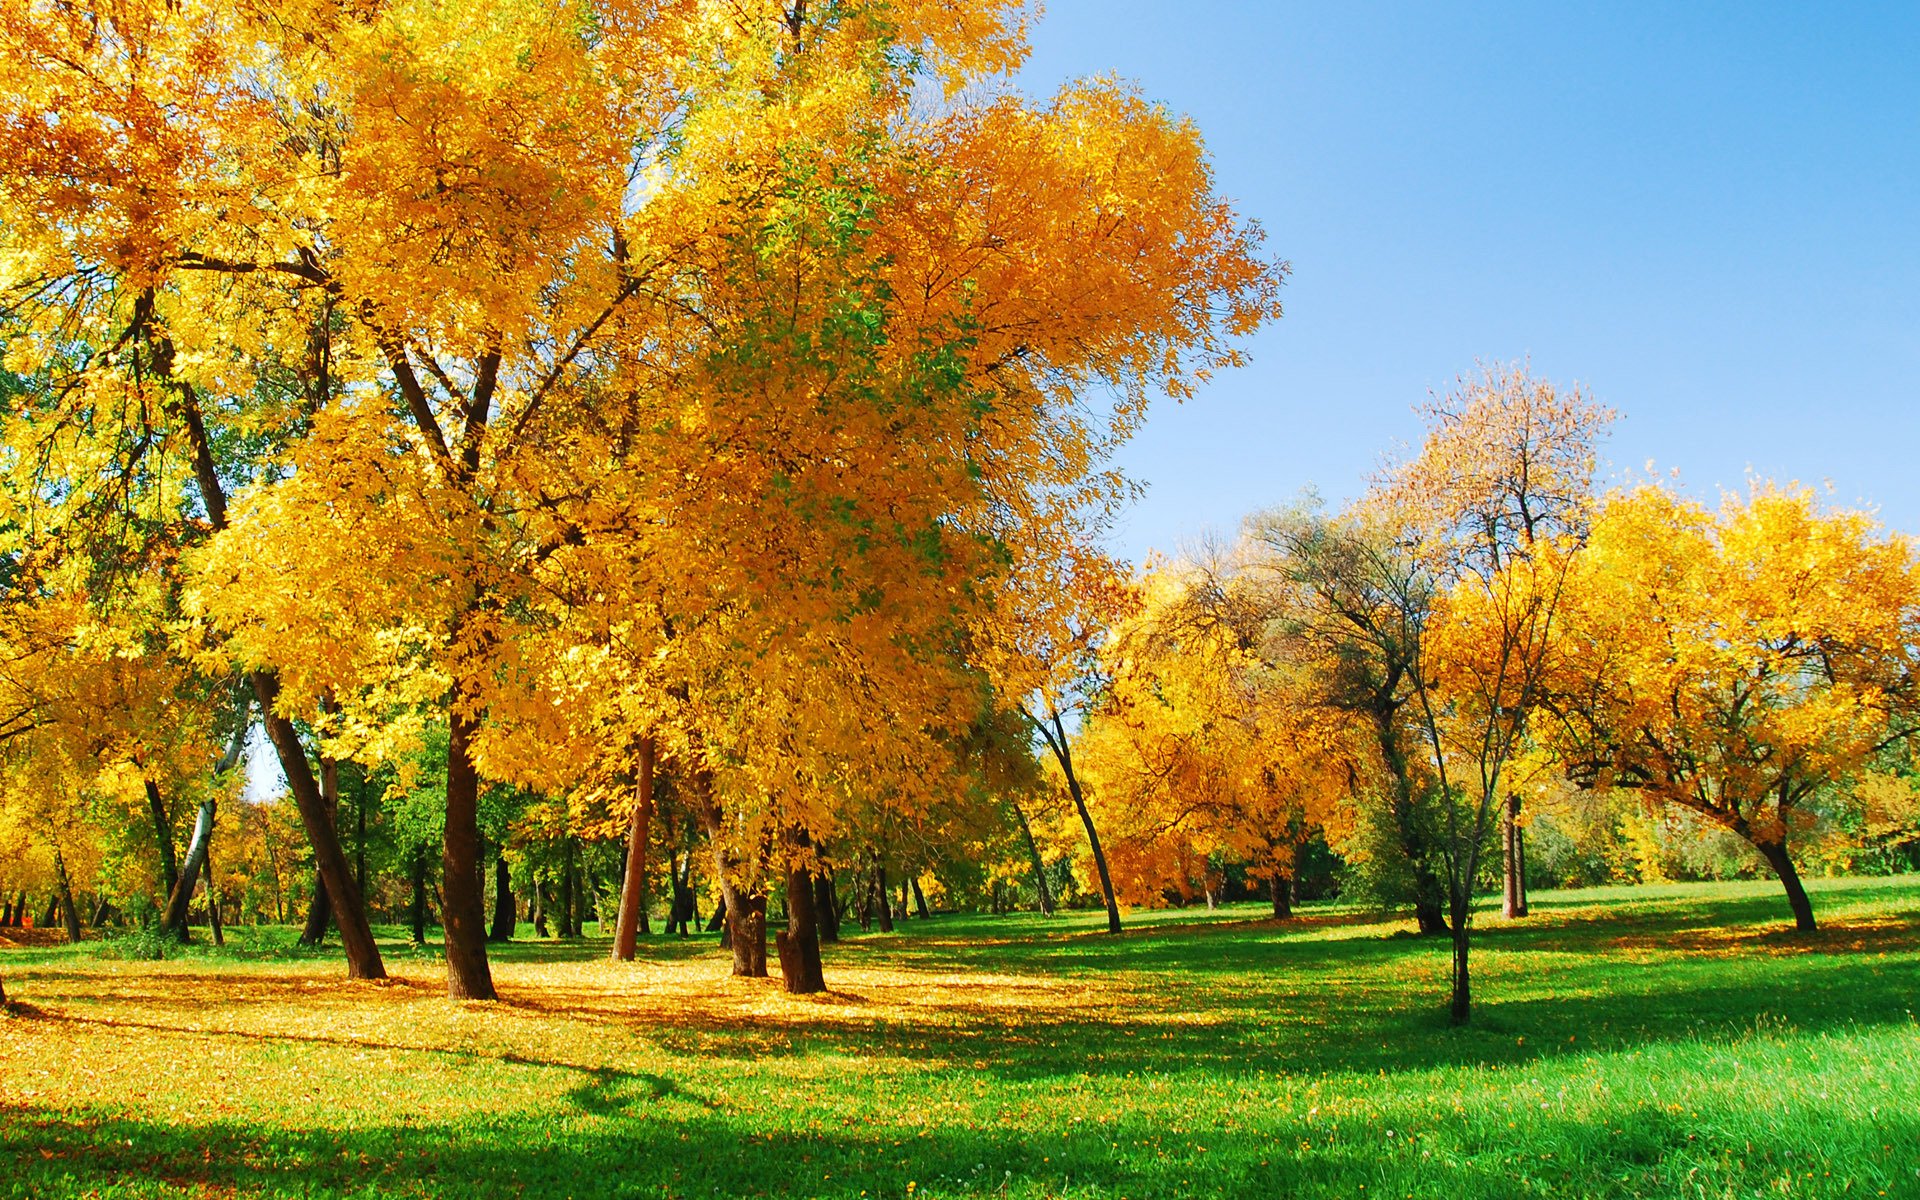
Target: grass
1660, 1042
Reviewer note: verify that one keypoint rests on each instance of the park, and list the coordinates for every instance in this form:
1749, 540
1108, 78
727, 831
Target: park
908, 598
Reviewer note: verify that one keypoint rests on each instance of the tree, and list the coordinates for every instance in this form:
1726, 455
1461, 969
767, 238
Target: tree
1740, 664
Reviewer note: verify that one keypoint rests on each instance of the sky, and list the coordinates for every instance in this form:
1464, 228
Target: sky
1704, 213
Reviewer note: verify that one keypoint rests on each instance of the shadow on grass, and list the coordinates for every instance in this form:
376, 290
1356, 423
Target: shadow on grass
656, 1146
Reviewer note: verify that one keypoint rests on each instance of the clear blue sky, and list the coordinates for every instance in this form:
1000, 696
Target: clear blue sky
1709, 214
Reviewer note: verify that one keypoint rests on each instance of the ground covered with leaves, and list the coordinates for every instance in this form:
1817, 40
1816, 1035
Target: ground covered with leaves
1671, 1042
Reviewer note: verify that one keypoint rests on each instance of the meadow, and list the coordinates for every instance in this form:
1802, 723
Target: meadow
1669, 1041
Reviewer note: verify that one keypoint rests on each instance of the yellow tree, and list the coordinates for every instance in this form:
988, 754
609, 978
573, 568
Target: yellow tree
1740, 664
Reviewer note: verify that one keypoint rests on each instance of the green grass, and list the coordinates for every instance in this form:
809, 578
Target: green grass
1662, 1042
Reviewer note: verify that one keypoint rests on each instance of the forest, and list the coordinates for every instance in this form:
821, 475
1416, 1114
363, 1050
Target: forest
636, 475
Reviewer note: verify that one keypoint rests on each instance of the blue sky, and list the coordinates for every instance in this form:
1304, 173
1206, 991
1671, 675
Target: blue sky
1705, 213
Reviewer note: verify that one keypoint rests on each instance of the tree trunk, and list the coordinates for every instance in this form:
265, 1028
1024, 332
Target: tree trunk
920, 899
317, 913
163, 830
1461, 1009
213, 897
67, 908
633, 889
799, 942
181, 898
540, 908
746, 916
826, 907
419, 872
1281, 890
363, 955
1782, 863
462, 910
1065, 755
567, 927
1513, 865
1039, 868
503, 906
883, 901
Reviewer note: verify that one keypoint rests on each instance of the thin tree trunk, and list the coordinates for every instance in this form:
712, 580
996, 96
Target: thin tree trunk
633, 889
1514, 903
1782, 863
462, 910
213, 897
1039, 867
65, 896
1064, 755
503, 906
419, 873
1461, 1009
883, 900
163, 830
540, 908
920, 899
356, 936
567, 927
826, 906
181, 898
317, 913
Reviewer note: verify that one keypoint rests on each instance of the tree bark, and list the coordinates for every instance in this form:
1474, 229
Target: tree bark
826, 906
1065, 757
315, 931
884, 901
799, 942
1782, 863
462, 909
633, 889
1514, 903
163, 830
419, 873
1280, 887
1039, 867
363, 955
746, 916
920, 899
503, 906
1461, 1009
67, 909
567, 927
175, 919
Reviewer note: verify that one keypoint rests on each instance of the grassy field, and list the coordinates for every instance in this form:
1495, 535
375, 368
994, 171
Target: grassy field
1670, 1042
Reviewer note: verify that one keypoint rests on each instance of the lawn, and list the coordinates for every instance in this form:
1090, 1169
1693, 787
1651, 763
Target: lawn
1672, 1042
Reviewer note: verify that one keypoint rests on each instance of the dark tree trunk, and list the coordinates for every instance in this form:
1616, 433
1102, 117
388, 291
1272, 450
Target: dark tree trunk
1782, 863
175, 918
1280, 887
503, 906
567, 927
1064, 755
53, 911
882, 900
540, 908
683, 899
363, 955
799, 942
317, 913
717, 923
633, 889
1514, 868
67, 908
746, 915
462, 908
1461, 1009
419, 872
1040, 887
920, 899
163, 831
826, 908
